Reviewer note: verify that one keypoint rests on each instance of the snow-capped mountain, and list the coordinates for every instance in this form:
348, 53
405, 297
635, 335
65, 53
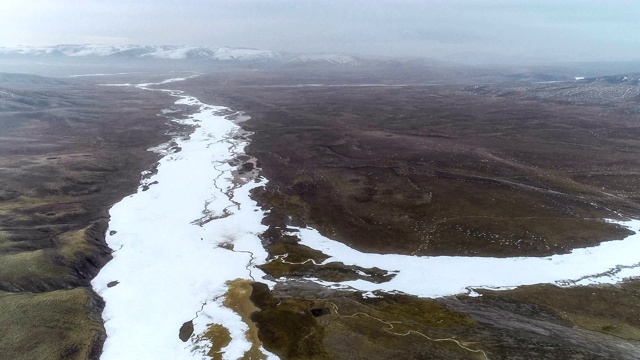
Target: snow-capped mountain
74, 50
159, 52
224, 54
213, 53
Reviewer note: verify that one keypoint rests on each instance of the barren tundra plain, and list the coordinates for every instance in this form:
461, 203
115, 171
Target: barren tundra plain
461, 167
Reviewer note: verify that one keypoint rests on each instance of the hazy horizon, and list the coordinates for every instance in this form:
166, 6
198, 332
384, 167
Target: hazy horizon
483, 31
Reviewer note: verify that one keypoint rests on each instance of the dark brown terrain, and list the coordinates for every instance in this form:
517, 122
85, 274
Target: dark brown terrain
387, 162
441, 170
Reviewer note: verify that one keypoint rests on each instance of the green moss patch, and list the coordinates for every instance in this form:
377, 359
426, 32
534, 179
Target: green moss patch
63, 324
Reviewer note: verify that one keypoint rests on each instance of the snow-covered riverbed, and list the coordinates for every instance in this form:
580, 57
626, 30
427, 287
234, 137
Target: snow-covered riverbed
189, 229
172, 243
607, 263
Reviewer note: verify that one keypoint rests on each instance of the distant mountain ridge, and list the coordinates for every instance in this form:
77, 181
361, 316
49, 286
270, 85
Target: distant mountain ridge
170, 52
74, 60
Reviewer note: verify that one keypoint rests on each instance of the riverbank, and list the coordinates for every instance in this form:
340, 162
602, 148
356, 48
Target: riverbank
69, 151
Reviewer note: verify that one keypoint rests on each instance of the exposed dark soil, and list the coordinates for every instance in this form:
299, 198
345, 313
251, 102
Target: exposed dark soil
545, 321
393, 326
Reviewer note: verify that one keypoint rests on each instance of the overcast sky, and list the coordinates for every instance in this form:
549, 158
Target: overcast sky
474, 30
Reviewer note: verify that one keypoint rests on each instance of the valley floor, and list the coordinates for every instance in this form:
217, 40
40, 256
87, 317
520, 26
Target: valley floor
442, 172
